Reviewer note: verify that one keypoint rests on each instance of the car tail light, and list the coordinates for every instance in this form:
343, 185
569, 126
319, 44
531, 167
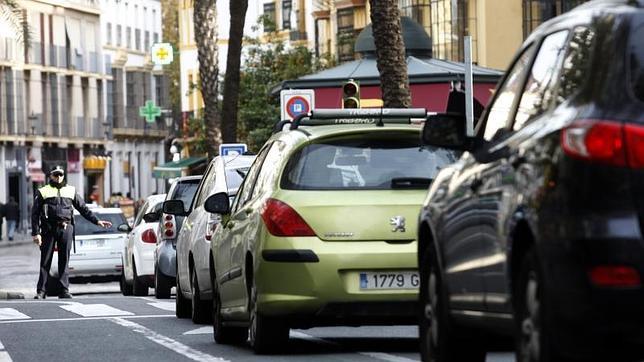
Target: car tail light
149, 236
614, 276
169, 228
606, 142
281, 220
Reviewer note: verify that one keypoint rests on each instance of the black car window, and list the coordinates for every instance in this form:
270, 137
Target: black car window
84, 227
365, 162
538, 91
139, 217
267, 174
249, 182
504, 103
636, 58
207, 183
185, 191
576, 64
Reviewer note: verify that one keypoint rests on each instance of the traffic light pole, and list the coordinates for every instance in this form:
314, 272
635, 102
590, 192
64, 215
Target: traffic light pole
469, 88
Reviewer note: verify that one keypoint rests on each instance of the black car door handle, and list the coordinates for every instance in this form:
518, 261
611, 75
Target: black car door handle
476, 184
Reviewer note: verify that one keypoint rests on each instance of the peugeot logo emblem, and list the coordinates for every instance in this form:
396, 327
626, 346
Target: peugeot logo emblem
398, 222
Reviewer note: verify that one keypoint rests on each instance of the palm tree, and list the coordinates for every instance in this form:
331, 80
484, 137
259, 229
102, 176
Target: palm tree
390, 53
205, 27
231, 81
13, 14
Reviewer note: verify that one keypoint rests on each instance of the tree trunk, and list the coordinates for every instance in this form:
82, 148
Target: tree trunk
231, 81
390, 53
205, 26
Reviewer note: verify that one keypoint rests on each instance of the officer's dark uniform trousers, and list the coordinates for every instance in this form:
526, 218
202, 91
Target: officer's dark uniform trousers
52, 217
63, 238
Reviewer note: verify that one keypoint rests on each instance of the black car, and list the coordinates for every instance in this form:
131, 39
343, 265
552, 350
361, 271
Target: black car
536, 232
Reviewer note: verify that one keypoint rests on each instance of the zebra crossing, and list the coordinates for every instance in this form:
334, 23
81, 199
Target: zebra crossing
14, 312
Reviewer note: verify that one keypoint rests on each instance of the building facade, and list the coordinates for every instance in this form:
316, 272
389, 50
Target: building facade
52, 97
497, 27
136, 146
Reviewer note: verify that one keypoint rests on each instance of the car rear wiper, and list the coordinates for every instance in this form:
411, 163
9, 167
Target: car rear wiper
240, 172
410, 182
108, 231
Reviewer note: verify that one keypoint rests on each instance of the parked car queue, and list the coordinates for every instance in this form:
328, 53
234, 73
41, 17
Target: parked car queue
531, 229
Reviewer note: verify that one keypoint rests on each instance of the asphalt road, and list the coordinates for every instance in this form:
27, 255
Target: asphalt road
99, 324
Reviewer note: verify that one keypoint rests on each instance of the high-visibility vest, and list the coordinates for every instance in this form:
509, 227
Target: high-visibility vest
49, 191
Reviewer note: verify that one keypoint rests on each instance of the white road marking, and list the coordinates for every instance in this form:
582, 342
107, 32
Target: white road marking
4, 355
202, 330
169, 306
10, 313
377, 355
167, 342
95, 310
87, 318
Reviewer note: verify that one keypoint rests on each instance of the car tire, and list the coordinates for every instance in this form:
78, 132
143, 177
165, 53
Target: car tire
200, 309
224, 334
439, 339
535, 330
139, 288
266, 335
126, 288
162, 284
182, 304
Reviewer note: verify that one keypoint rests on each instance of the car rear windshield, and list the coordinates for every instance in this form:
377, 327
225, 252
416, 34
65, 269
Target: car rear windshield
84, 227
185, 191
235, 176
636, 57
381, 162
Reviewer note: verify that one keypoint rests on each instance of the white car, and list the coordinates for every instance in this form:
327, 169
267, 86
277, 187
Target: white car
138, 257
97, 254
194, 291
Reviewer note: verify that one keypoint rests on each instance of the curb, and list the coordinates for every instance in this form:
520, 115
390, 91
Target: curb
11, 295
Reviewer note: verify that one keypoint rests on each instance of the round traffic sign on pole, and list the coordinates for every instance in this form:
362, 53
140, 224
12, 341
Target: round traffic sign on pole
297, 105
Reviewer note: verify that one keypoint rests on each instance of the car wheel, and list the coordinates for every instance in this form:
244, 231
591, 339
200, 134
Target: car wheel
439, 341
126, 288
200, 310
224, 334
162, 284
533, 337
266, 334
182, 304
140, 289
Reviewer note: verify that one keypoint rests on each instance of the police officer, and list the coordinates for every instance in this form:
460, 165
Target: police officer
52, 223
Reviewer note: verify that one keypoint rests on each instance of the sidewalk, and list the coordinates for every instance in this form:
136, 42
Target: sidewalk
18, 239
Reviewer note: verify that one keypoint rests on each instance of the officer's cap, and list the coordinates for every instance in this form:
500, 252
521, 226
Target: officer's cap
57, 169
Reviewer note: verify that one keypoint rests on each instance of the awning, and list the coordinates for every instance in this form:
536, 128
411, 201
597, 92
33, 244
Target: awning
179, 168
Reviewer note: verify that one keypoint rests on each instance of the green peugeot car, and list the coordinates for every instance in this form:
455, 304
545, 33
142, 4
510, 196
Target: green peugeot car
322, 231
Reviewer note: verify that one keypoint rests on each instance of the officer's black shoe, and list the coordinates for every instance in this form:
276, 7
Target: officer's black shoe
40, 295
65, 295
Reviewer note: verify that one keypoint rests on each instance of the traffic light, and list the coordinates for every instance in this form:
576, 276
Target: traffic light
351, 94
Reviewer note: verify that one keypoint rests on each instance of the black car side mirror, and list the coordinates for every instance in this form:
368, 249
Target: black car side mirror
174, 207
151, 217
218, 204
124, 228
446, 131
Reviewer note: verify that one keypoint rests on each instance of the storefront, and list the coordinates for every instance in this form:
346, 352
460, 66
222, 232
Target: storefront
94, 169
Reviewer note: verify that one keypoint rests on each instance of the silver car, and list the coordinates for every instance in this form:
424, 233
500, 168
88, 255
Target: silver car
194, 291
165, 254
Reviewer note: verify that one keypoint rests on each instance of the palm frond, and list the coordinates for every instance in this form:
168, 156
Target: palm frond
16, 18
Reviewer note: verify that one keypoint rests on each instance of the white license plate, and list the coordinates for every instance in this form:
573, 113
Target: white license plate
389, 280
92, 243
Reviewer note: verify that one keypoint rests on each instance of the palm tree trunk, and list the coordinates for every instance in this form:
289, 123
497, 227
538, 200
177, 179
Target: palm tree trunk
390, 53
205, 26
231, 81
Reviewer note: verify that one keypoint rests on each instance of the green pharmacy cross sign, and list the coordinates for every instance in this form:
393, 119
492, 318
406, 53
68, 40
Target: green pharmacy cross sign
149, 111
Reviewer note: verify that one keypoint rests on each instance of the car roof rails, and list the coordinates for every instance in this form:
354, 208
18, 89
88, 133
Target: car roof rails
375, 116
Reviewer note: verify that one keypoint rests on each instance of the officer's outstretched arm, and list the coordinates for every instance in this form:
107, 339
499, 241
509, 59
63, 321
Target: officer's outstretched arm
79, 204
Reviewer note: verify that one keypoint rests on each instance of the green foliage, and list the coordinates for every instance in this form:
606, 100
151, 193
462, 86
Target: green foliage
265, 65
198, 136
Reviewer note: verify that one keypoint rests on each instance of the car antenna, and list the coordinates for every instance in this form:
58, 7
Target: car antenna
380, 123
